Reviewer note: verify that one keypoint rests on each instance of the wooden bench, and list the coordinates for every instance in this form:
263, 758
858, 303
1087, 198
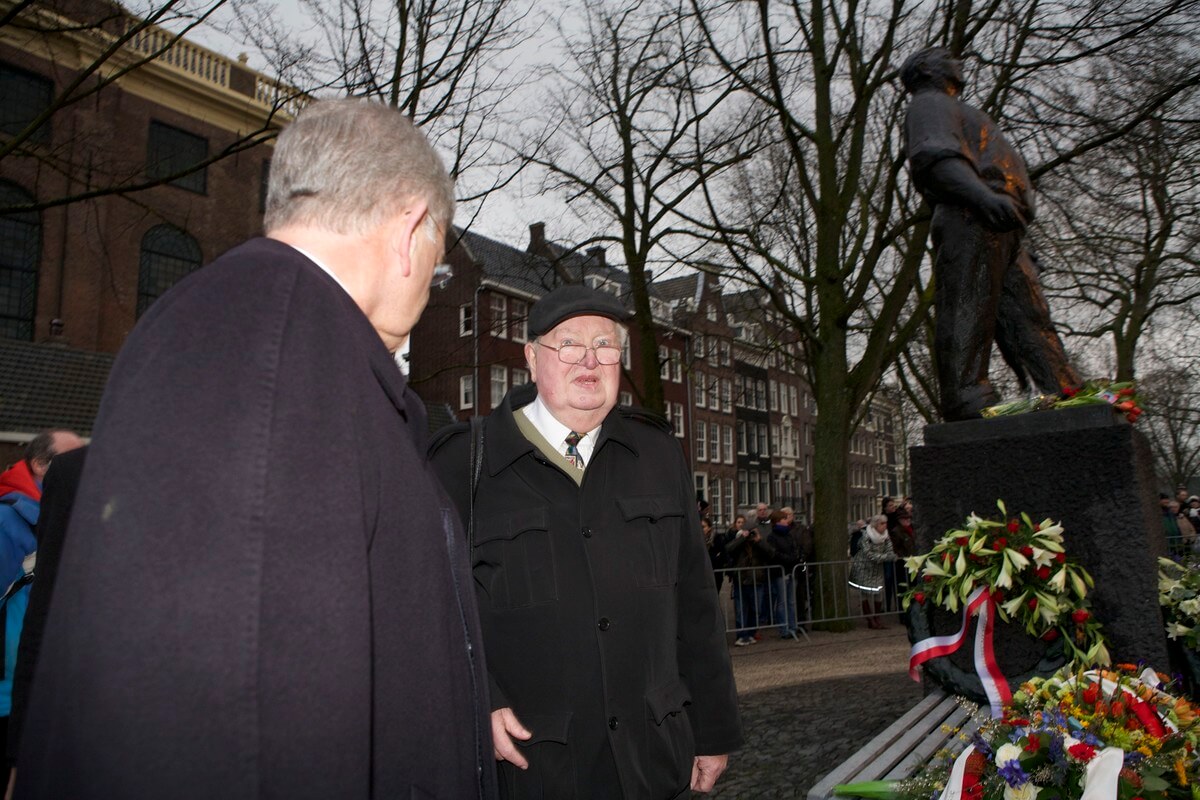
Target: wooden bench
928, 727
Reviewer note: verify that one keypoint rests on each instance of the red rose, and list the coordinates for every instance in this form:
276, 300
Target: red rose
1037, 528
998, 596
928, 578
1091, 694
919, 597
961, 541
1060, 557
1027, 551
1070, 391
1080, 615
1033, 745
1043, 573
1118, 708
1013, 526
1082, 752
1032, 603
1050, 635
1000, 543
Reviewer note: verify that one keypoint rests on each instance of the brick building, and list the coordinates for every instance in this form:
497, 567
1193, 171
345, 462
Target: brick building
77, 275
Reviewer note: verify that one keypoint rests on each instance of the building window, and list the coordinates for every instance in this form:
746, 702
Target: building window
171, 151
794, 397
664, 363
711, 347
760, 395
773, 393
700, 390
762, 440
20, 252
677, 366
677, 419
726, 395
714, 440
710, 311
714, 398
729, 499
625, 399
727, 443
24, 96
702, 441
466, 392
741, 434
520, 377
626, 360
520, 321
714, 502
701, 480
743, 488
726, 355
168, 254
499, 384
499, 308
775, 439
466, 319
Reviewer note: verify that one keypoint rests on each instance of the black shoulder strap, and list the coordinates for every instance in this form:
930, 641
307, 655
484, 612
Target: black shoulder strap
476, 467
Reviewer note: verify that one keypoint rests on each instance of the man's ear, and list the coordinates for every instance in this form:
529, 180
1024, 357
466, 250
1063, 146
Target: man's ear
531, 360
406, 227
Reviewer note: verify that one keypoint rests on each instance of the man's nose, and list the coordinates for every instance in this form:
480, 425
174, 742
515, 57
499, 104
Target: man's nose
589, 358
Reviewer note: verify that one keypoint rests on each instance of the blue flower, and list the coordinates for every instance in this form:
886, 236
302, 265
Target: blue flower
1013, 775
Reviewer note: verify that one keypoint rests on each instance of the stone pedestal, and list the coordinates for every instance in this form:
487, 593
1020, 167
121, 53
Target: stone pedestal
1086, 467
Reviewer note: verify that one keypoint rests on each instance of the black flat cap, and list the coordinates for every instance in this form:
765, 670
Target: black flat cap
573, 301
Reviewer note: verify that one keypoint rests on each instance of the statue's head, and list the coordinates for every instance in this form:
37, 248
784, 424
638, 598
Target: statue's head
932, 67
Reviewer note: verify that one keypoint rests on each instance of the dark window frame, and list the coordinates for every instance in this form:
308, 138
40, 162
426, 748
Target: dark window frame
167, 255
171, 150
19, 270
28, 83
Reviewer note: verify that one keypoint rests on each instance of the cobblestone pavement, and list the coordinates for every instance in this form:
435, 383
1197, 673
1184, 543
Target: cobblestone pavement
807, 705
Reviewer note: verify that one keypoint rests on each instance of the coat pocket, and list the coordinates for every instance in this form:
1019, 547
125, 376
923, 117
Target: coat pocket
551, 773
513, 560
655, 522
670, 744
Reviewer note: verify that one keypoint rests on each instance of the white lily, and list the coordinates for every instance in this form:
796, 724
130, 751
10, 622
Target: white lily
1042, 557
1004, 579
960, 565
1059, 581
1012, 605
1019, 561
1078, 585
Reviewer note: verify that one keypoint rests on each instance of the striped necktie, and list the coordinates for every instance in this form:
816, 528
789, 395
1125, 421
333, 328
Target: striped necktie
573, 456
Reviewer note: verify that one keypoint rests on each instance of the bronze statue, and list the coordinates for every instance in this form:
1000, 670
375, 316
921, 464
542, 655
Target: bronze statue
986, 281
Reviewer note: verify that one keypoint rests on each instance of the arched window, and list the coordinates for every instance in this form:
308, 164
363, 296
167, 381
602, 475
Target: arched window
20, 252
167, 255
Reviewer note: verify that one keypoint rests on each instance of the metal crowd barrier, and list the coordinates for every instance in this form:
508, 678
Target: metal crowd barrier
821, 592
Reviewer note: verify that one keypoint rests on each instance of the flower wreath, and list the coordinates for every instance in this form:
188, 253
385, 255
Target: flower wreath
1117, 733
1179, 596
1023, 568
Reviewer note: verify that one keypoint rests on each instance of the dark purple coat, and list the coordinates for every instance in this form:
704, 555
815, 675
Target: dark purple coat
265, 593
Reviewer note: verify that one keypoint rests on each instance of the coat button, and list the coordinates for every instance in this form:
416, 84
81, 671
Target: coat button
605, 623
613, 724
587, 533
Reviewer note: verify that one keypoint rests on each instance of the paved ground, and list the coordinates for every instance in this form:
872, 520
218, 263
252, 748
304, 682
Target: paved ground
806, 706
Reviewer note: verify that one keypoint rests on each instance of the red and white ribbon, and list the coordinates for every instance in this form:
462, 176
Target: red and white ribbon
995, 686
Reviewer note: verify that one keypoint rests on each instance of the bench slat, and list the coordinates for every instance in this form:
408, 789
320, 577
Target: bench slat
918, 721
924, 750
927, 733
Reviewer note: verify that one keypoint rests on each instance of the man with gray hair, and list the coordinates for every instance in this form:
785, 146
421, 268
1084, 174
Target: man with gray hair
234, 616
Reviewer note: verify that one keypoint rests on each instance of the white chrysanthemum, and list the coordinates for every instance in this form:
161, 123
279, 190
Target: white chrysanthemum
1007, 753
1026, 791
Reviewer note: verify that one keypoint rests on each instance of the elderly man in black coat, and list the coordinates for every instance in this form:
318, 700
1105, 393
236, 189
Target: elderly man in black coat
609, 671
242, 611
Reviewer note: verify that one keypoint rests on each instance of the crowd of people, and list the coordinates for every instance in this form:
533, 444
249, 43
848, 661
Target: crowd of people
1181, 521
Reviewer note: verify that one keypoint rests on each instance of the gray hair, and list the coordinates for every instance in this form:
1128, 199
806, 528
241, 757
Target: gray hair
878, 518
348, 165
41, 447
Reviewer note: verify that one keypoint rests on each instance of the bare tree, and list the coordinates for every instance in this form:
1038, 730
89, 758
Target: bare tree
639, 120
1172, 420
450, 66
828, 226
1123, 239
115, 43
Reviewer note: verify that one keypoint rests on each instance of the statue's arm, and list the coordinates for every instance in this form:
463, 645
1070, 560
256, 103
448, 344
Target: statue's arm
955, 180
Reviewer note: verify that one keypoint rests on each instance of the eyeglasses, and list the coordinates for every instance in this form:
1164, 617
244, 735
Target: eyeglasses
606, 354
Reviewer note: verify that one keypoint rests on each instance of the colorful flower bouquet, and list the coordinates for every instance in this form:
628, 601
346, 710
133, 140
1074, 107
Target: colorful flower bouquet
1106, 734
1121, 396
1025, 571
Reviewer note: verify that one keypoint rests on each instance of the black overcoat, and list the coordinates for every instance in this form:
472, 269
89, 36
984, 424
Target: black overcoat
265, 592
600, 619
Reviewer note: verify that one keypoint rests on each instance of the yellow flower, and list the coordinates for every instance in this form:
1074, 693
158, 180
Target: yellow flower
1181, 772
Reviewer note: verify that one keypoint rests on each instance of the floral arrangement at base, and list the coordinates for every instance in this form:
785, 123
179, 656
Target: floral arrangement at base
1121, 396
1026, 574
1179, 596
1112, 733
